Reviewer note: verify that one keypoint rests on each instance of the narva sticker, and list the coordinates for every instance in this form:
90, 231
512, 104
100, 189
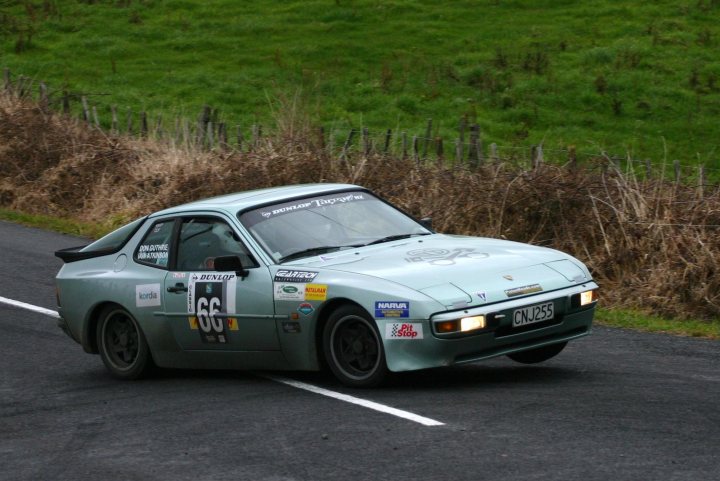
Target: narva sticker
404, 330
392, 309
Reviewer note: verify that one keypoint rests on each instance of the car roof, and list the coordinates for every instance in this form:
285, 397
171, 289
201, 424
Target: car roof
238, 201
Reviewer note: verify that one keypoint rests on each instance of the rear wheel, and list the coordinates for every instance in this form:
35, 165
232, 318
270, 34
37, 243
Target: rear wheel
353, 348
122, 344
540, 354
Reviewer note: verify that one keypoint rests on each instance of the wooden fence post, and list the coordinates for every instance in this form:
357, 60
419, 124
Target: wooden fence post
701, 181
676, 167
66, 102
439, 151
572, 157
428, 133
222, 136
388, 136
114, 121
538, 157
458, 151
404, 145
95, 117
86, 109
44, 101
143, 125
459, 146
416, 150
129, 122
7, 83
210, 135
366, 141
239, 135
648, 169
202, 125
494, 153
321, 138
346, 146
473, 154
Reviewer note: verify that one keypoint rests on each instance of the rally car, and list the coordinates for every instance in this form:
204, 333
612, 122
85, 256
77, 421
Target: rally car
306, 276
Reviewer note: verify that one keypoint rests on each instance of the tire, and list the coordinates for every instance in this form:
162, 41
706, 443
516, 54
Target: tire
540, 354
353, 348
122, 345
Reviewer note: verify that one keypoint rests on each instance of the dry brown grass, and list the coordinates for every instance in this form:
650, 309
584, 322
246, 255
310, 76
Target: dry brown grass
652, 245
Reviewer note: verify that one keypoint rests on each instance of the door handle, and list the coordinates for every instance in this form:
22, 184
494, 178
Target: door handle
179, 287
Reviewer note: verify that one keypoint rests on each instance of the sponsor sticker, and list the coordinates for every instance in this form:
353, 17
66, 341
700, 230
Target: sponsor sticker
291, 327
519, 291
147, 295
392, 309
444, 257
210, 297
404, 330
316, 292
305, 309
288, 291
285, 275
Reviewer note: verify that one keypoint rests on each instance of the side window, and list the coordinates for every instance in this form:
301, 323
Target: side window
203, 239
155, 247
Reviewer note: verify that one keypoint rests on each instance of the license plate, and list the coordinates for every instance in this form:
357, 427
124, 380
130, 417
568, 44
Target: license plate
533, 314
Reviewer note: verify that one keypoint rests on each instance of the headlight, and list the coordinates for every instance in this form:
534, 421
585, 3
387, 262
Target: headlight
460, 325
584, 298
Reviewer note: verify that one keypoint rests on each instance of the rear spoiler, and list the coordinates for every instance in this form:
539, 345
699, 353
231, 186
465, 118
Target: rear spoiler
73, 254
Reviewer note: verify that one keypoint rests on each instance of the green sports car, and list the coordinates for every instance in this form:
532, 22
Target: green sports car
306, 276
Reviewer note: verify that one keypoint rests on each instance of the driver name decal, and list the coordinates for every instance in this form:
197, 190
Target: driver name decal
211, 297
404, 330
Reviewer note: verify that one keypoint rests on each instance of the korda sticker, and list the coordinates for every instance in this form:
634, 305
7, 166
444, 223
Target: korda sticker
392, 309
305, 309
284, 275
404, 330
147, 295
444, 257
211, 297
288, 292
315, 292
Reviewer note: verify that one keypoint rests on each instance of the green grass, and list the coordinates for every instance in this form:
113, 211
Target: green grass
65, 226
636, 320
625, 76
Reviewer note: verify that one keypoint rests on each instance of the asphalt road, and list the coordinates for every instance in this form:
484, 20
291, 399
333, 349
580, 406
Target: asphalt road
616, 405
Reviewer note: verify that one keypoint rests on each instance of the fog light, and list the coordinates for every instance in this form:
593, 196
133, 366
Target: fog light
472, 323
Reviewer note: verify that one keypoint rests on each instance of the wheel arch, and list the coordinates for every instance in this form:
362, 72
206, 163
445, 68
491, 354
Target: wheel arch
89, 340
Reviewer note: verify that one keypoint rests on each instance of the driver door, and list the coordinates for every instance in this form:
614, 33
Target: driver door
212, 310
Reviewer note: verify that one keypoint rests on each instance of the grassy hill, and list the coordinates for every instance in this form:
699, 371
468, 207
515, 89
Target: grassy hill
626, 76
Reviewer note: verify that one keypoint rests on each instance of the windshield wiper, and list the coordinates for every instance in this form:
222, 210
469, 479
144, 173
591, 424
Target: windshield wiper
394, 237
313, 251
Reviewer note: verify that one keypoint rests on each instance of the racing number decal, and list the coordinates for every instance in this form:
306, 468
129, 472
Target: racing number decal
210, 298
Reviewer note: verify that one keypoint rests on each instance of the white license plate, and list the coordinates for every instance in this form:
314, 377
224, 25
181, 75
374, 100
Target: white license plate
533, 314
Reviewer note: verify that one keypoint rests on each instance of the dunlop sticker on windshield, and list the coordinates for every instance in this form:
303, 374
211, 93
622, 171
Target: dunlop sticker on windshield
519, 291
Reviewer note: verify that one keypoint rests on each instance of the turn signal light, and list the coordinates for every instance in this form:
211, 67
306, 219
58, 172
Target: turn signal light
446, 326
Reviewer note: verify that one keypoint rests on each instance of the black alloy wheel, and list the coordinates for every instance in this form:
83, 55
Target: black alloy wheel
122, 344
353, 348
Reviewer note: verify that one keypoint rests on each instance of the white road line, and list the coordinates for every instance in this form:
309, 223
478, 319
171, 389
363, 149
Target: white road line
355, 400
290, 382
29, 307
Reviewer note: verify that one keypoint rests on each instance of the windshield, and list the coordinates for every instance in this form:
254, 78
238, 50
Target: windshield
327, 223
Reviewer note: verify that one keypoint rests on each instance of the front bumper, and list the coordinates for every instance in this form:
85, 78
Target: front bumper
499, 338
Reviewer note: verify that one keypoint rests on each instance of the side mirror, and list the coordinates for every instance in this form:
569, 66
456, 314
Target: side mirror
426, 222
231, 263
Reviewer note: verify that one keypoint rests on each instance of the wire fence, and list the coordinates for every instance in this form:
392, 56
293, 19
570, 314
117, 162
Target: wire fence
211, 131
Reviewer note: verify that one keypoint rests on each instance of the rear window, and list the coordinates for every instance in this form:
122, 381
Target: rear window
116, 239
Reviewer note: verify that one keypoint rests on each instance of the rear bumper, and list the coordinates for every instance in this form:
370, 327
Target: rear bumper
498, 340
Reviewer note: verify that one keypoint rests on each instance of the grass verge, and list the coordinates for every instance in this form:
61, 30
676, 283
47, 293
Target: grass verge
636, 320
64, 226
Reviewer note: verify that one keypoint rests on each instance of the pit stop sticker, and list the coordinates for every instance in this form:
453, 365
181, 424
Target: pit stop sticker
404, 330
211, 297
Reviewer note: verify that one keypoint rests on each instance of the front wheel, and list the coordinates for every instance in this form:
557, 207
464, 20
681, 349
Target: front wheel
353, 348
540, 354
122, 344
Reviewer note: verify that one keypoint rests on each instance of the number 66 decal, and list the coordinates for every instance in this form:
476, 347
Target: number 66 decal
206, 311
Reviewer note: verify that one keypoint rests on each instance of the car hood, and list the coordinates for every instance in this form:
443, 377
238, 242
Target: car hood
459, 271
